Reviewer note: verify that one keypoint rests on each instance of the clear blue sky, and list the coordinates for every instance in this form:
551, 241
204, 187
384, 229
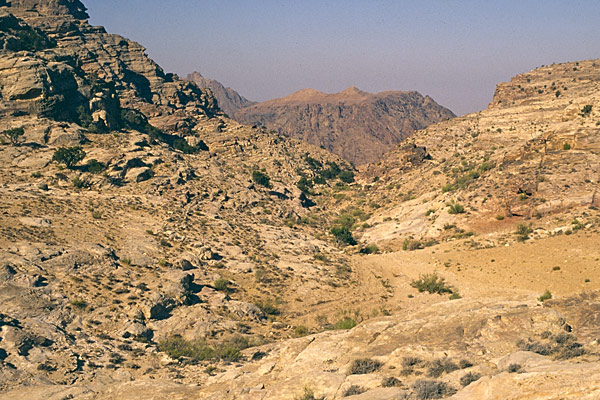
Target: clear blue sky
455, 51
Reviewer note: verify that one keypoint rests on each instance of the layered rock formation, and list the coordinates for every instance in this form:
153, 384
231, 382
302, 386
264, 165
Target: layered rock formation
229, 100
353, 124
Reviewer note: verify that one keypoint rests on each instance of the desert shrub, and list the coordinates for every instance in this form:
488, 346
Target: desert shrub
79, 303
307, 394
586, 110
410, 361
431, 283
344, 323
546, 296
431, 389
343, 235
364, 366
512, 368
370, 249
536, 347
455, 208
412, 244
449, 187
455, 296
80, 183
346, 176
94, 166
14, 134
353, 390
300, 331
222, 285
566, 146
305, 185
469, 378
390, 381
439, 366
268, 307
523, 231
562, 346
464, 363
198, 350
260, 178
69, 156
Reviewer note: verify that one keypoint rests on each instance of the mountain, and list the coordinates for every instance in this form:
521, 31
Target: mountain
356, 125
229, 100
152, 247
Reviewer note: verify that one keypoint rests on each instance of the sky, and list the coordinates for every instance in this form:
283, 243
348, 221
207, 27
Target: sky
454, 51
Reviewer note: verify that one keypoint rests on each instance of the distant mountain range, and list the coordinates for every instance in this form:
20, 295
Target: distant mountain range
353, 124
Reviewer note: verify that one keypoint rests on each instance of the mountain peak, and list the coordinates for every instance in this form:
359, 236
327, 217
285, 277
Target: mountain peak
353, 90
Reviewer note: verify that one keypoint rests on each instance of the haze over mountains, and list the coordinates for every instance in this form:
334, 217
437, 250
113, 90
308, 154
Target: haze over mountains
356, 125
152, 247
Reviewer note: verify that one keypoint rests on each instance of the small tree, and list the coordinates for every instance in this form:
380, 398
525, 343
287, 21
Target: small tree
260, 178
69, 156
14, 134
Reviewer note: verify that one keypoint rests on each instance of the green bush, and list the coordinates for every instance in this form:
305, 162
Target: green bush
14, 134
69, 156
449, 187
343, 235
546, 296
455, 208
343, 324
221, 285
268, 307
94, 166
81, 183
305, 185
431, 283
198, 350
523, 231
586, 110
370, 249
566, 146
260, 178
300, 331
346, 176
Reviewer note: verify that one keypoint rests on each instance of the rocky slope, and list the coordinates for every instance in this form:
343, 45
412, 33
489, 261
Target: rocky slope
185, 255
532, 155
229, 100
353, 124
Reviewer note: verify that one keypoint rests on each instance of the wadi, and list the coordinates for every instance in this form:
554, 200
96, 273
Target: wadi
317, 246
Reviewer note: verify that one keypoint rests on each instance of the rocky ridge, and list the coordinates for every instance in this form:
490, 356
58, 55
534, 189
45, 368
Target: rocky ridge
358, 126
229, 100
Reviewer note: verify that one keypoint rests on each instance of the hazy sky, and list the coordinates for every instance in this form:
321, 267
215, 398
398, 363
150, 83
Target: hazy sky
454, 51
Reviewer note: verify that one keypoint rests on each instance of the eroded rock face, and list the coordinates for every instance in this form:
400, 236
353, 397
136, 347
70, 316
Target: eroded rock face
356, 125
79, 73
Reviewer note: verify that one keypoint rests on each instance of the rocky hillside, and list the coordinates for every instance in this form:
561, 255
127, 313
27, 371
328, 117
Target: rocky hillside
358, 126
151, 247
533, 154
229, 100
